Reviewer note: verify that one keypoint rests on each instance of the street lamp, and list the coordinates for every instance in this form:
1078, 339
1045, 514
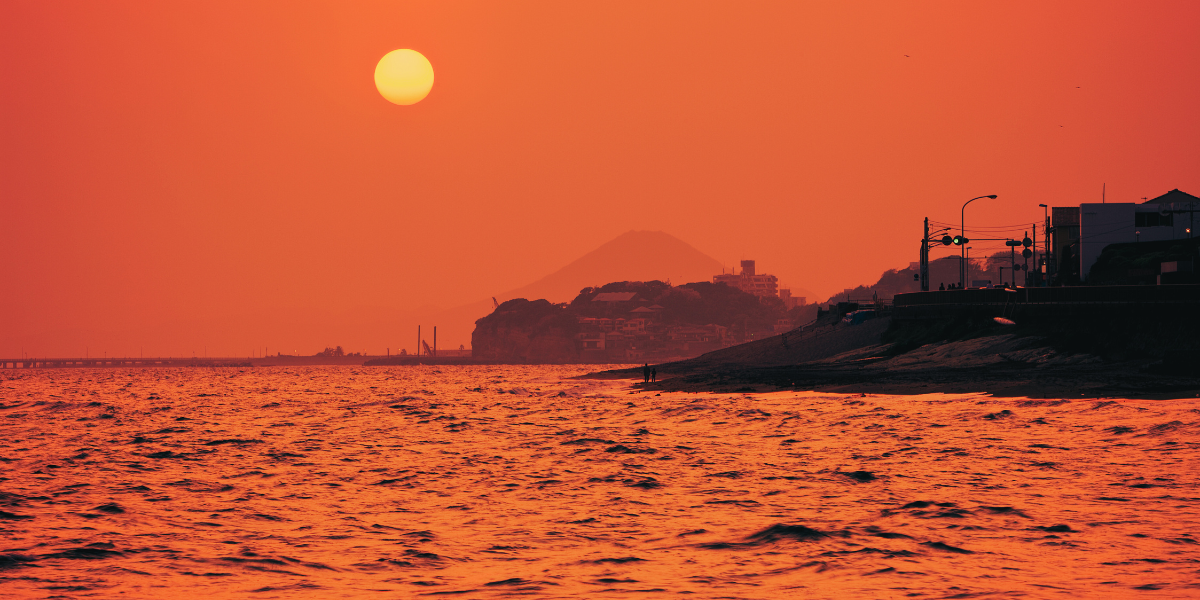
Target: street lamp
962, 265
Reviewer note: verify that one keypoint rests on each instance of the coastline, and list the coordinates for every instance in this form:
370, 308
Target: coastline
881, 357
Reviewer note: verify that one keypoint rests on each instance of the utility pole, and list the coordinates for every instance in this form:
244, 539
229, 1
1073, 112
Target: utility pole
1012, 271
1035, 258
925, 258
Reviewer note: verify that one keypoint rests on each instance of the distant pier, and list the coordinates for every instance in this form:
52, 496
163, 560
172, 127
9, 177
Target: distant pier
356, 360
110, 363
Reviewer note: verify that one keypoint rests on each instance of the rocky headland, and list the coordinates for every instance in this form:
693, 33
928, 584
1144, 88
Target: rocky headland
628, 321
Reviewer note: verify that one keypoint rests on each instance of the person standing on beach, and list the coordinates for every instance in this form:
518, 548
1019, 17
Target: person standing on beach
653, 373
646, 372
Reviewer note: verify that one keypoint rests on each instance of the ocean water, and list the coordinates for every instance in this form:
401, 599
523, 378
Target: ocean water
482, 482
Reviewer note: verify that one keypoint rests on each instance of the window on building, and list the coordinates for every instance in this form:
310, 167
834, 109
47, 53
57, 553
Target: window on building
1153, 219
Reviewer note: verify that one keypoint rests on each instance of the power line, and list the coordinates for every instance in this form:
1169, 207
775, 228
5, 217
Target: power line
1017, 227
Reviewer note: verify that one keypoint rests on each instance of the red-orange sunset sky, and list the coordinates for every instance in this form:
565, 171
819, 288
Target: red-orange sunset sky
224, 175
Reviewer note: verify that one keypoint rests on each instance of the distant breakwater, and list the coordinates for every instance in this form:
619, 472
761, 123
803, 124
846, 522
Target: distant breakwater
120, 363
458, 360
176, 362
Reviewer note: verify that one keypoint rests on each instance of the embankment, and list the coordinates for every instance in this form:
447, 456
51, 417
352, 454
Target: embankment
1057, 349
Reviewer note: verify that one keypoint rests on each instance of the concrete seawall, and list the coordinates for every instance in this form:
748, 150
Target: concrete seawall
1161, 301
1115, 322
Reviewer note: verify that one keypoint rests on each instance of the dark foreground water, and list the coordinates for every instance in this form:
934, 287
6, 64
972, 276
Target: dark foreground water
480, 482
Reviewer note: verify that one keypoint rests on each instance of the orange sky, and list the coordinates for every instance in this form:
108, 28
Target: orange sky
224, 175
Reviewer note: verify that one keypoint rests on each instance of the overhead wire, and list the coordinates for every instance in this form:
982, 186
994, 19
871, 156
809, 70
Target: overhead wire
1010, 226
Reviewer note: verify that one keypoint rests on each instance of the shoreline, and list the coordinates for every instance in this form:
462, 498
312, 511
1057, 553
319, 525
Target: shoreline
1102, 381
885, 359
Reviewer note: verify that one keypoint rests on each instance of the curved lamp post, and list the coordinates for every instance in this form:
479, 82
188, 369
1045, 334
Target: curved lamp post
962, 232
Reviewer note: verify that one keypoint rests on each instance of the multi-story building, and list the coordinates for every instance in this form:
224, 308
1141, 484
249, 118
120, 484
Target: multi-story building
642, 337
1081, 233
1064, 242
1167, 217
790, 301
748, 281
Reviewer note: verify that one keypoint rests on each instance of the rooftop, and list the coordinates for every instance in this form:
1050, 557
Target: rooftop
1173, 196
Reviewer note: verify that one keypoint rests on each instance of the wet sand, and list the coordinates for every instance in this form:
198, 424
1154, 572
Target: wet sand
480, 482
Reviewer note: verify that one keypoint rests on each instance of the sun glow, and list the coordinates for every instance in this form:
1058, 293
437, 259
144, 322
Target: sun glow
404, 76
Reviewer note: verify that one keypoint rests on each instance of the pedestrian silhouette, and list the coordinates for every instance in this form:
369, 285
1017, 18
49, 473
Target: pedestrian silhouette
653, 373
942, 287
646, 372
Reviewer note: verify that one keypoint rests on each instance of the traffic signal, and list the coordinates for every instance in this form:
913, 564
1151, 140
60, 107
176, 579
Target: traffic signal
1027, 252
947, 240
1012, 243
960, 240
1027, 242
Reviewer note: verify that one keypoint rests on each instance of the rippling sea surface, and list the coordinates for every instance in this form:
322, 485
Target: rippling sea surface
481, 482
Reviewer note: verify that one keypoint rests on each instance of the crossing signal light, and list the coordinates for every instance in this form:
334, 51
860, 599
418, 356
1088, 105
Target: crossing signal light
1027, 242
1027, 253
960, 240
947, 240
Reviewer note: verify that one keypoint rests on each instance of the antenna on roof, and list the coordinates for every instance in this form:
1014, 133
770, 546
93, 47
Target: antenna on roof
1103, 189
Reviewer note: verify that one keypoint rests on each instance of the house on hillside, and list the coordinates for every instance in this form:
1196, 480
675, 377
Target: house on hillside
642, 313
790, 301
696, 340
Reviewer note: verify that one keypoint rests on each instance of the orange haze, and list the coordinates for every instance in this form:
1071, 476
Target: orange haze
179, 176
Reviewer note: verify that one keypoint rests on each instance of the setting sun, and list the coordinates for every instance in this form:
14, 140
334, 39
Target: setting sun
404, 76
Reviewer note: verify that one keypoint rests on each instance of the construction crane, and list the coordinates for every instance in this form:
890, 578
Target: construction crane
428, 350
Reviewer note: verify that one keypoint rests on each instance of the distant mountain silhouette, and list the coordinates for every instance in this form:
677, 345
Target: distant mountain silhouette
631, 256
